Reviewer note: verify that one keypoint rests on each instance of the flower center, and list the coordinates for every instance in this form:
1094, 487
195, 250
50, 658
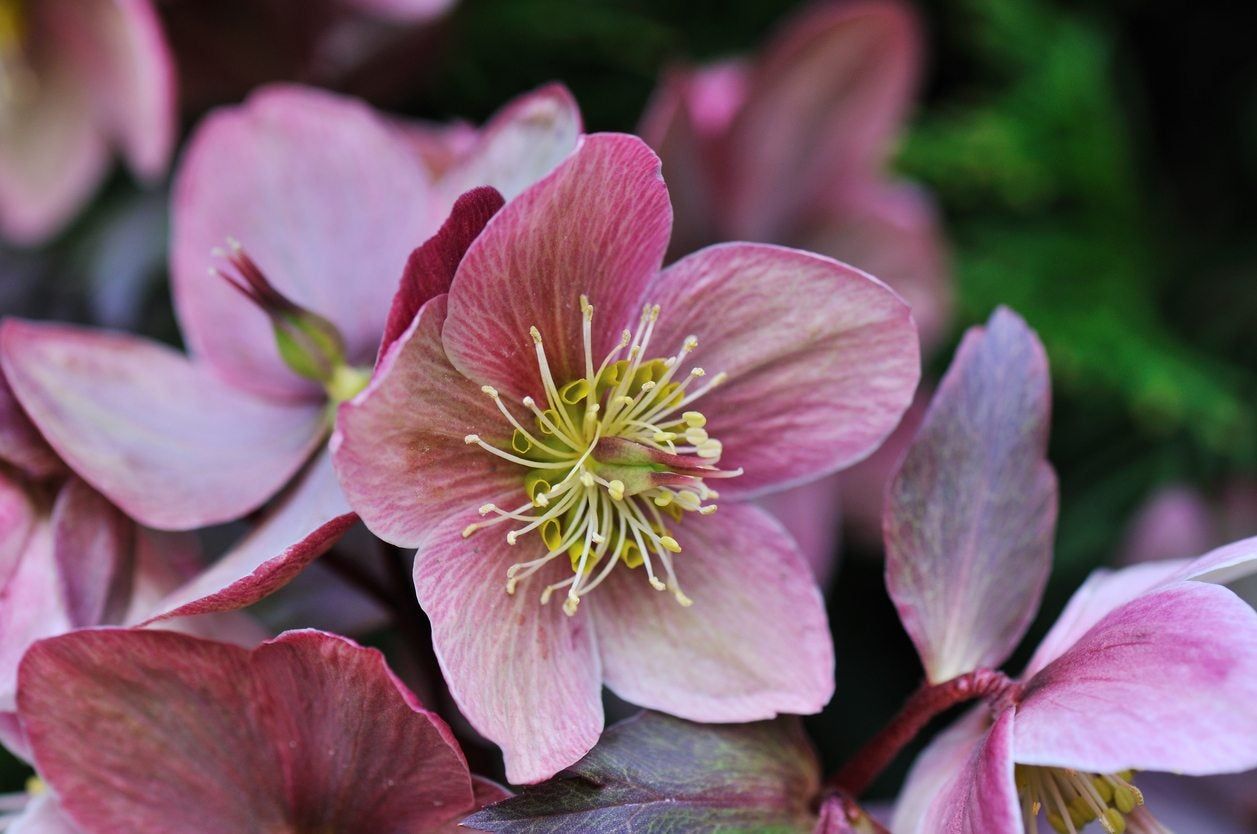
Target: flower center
1071, 800
611, 459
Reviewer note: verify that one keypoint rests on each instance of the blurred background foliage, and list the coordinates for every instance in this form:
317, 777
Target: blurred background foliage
1095, 167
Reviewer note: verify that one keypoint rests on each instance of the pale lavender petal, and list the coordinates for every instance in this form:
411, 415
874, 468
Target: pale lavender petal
822, 105
755, 642
1225, 564
302, 526
21, 444
18, 516
981, 798
42, 816
399, 446
160, 436
522, 143
934, 769
812, 514
324, 195
970, 516
821, 359
1166, 682
31, 607
526, 675
1174, 523
94, 548
1214, 805
598, 225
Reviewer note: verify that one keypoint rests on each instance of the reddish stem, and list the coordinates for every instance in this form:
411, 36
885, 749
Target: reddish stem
924, 705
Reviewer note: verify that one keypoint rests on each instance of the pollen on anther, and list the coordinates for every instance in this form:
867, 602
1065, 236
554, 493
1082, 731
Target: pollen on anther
471, 438
490, 390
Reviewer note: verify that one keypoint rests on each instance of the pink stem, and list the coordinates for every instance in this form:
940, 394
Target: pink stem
923, 706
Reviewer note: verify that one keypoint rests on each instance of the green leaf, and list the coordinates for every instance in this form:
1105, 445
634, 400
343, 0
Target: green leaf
655, 774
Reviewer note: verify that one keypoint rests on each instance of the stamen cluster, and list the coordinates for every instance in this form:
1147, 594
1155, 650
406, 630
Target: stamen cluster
1072, 800
612, 457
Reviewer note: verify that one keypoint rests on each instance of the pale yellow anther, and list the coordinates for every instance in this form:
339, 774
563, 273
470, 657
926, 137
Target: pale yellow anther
663, 499
469, 529
681, 598
485, 509
536, 334
570, 604
510, 586
512, 537
546, 594
697, 372
707, 510
691, 342
471, 438
587, 479
616, 490
625, 337
688, 500
694, 419
490, 390
664, 436
657, 584
586, 308
670, 544
696, 436
625, 400
529, 402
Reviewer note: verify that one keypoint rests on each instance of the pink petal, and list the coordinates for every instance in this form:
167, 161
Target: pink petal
42, 816
754, 644
821, 359
1225, 564
982, 797
890, 230
94, 548
597, 225
430, 268
161, 437
324, 195
402, 11
131, 75
823, 104
18, 516
153, 731
522, 143
31, 607
812, 514
21, 444
298, 530
1173, 523
940, 762
970, 516
1166, 682
526, 675
403, 436
52, 155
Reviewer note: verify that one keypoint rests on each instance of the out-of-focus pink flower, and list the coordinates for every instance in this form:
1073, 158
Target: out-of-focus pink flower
789, 147
1149, 668
78, 79
154, 731
1178, 520
548, 386
312, 203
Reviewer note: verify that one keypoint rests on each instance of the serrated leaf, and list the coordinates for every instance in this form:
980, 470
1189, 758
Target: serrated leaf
655, 774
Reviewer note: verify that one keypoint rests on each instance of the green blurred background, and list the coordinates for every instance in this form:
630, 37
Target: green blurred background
1095, 167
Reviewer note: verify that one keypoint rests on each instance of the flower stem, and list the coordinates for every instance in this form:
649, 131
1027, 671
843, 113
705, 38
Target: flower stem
922, 706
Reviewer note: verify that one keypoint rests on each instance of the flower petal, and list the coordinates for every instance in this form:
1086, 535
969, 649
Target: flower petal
526, 675
821, 359
324, 196
430, 268
154, 731
94, 547
17, 520
1225, 564
940, 762
755, 642
982, 797
170, 444
970, 515
31, 607
21, 444
300, 529
402, 11
890, 230
1173, 523
1165, 682
42, 816
399, 449
813, 515
598, 225
823, 104
522, 143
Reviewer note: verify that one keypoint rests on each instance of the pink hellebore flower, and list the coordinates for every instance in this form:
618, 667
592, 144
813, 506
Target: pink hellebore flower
77, 77
789, 147
317, 200
543, 435
159, 733
1149, 668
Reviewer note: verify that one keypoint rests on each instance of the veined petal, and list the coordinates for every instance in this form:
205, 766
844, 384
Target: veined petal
526, 675
169, 443
1165, 682
17, 519
94, 548
31, 607
813, 516
755, 642
970, 516
155, 731
981, 797
597, 225
324, 196
822, 105
399, 450
522, 143
821, 359
946, 756
21, 444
